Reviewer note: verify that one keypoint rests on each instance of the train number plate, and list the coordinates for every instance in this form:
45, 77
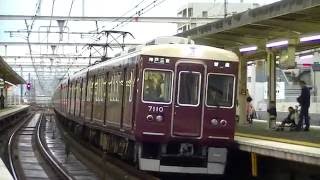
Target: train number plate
155, 109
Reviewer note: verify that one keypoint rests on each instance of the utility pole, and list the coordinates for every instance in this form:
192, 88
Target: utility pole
83, 6
21, 88
225, 8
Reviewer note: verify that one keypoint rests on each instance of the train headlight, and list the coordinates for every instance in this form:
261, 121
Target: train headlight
214, 122
149, 117
159, 118
223, 123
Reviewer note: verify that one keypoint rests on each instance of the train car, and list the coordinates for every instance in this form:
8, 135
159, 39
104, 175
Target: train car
168, 106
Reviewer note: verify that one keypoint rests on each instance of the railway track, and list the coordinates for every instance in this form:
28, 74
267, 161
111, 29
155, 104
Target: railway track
33, 155
108, 166
61, 151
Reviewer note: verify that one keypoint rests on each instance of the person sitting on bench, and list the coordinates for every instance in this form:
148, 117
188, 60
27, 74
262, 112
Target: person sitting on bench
290, 119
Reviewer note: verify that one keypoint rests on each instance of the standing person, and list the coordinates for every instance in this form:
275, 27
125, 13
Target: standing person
304, 101
249, 109
272, 110
1, 100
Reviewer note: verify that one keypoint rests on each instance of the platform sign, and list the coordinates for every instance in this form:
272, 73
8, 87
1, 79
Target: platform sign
280, 90
316, 66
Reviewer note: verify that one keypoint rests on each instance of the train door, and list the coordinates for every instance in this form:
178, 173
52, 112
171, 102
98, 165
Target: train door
188, 106
128, 98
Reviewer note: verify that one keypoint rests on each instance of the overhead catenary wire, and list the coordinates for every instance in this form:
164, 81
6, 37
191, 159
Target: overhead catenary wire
126, 18
128, 11
69, 14
131, 18
124, 14
31, 57
29, 29
66, 23
38, 7
50, 22
139, 13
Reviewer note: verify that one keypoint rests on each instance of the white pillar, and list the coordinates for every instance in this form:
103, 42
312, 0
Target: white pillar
242, 92
271, 77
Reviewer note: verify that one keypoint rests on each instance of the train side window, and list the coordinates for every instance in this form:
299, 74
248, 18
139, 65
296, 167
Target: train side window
75, 92
118, 84
189, 88
130, 84
84, 86
78, 90
105, 84
70, 96
157, 86
112, 87
97, 89
220, 90
100, 88
90, 89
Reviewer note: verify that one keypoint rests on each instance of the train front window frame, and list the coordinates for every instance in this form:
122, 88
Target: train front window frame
198, 89
167, 84
231, 93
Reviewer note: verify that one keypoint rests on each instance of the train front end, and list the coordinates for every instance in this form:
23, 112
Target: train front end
185, 109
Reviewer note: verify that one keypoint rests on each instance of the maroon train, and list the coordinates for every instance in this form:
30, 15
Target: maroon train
169, 106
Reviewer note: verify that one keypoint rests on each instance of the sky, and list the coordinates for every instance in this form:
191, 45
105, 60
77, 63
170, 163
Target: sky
101, 8
143, 32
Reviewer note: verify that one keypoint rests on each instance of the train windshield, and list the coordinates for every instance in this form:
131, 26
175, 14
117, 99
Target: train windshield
189, 88
157, 86
220, 90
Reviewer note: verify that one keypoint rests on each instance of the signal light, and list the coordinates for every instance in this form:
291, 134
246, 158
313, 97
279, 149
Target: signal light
28, 86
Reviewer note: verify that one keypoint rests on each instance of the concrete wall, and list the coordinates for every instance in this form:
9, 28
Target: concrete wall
213, 10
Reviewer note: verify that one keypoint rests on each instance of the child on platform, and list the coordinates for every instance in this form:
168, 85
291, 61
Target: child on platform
290, 119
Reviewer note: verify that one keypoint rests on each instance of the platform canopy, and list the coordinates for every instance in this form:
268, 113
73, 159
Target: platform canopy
286, 19
8, 74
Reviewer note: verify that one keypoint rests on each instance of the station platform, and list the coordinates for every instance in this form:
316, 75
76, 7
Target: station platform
4, 172
11, 114
11, 110
8, 116
299, 146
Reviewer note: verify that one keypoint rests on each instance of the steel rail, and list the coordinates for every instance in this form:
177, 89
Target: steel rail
48, 155
13, 171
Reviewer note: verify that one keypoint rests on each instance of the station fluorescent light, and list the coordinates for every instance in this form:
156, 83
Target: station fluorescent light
309, 56
277, 43
250, 48
310, 38
9, 83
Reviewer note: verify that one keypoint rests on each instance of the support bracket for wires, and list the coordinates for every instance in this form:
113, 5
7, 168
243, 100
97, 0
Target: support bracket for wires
110, 37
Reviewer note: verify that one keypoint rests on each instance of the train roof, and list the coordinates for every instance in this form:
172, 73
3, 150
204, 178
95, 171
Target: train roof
186, 51
189, 51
